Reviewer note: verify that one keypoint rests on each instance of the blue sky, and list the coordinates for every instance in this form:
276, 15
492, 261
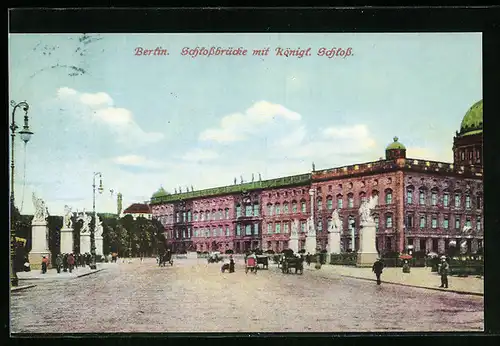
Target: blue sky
151, 121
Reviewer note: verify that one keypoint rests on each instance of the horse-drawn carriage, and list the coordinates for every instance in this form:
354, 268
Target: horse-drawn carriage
289, 261
251, 264
165, 258
264, 260
215, 257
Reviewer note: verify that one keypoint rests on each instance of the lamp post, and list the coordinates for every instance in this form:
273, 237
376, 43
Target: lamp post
25, 134
92, 233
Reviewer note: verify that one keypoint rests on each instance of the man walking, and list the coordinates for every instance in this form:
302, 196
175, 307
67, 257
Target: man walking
377, 268
58, 263
444, 269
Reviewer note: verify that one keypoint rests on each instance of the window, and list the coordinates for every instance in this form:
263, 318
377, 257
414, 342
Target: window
339, 202
409, 221
388, 197
277, 227
446, 199
320, 226
227, 231
409, 197
362, 197
248, 229
238, 229
214, 214
195, 216
285, 208
421, 197
329, 223
202, 216
214, 231
467, 201
457, 222
446, 222
350, 223
256, 228
303, 226
207, 215
434, 198
294, 207
320, 204
377, 222
350, 201
434, 221
388, 221
226, 213
220, 214
256, 209
221, 231
422, 221
457, 200
189, 215
277, 208
269, 228
238, 210
478, 223
285, 228
183, 234
303, 206
248, 210
329, 203
468, 222
177, 217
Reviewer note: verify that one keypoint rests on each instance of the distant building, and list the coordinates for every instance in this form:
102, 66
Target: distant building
421, 203
138, 210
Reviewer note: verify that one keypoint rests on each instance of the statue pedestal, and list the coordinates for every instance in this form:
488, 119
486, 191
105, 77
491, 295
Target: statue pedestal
293, 244
39, 244
367, 253
84, 243
333, 245
66, 240
98, 246
311, 244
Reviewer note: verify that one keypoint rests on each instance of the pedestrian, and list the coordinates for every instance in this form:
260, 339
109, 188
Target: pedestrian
71, 262
59, 263
65, 262
444, 269
308, 259
231, 264
45, 262
377, 268
26, 264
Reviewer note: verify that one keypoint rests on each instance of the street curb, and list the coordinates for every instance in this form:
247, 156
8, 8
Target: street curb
20, 288
95, 271
424, 287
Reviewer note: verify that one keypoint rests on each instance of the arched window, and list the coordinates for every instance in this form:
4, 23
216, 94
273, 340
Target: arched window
195, 216
446, 198
422, 221
409, 194
467, 200
362, 196
294, 207
285, 207
375, 193
207, 215
421, 196
329, 223
350, 200
256, 209
339, 201
214, 214
303, 206
319, 202
329, 202
388, 196
458, 198
226, 213
277, 208
238, 210
377, 221
269, 209
388, 220
434, 196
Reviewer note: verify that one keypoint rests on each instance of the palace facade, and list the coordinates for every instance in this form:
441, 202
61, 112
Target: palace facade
421, 203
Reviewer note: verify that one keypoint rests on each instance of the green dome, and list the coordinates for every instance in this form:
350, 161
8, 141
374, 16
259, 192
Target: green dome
472, 123
395, 145
161, 192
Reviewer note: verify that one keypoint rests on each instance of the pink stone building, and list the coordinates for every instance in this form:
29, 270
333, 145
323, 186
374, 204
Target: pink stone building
421, 203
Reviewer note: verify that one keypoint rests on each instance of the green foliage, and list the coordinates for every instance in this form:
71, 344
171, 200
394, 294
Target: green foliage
347, 258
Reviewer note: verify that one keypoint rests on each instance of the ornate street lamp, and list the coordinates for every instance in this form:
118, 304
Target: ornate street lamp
92, 233
25, 135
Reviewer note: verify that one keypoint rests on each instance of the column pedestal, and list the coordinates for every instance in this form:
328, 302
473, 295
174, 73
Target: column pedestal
39, 244
67, 240
293, 244
84, 243
367, 253
333, 245
311, 244
99, 246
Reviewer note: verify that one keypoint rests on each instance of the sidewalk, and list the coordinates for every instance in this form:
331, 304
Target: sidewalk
419, 277
53, 275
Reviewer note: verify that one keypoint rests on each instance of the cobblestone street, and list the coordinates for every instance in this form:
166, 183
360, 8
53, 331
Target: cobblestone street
193, 296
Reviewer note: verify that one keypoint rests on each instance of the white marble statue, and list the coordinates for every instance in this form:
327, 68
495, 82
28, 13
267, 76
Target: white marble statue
98, 228
336, 224
86, 222
41, 211
366, 208
295, 228
67, 223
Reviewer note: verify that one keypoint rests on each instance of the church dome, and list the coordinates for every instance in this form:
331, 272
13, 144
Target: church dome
395, 145
472, 123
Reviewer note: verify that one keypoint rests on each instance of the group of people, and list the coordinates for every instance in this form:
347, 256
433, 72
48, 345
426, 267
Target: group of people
443, 271
69, 261
229, 266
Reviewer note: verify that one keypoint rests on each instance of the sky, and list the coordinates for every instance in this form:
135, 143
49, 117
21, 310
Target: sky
146, 121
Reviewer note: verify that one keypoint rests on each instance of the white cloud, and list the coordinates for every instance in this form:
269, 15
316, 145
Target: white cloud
120, 121
200, 155
237, 126
135, 161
